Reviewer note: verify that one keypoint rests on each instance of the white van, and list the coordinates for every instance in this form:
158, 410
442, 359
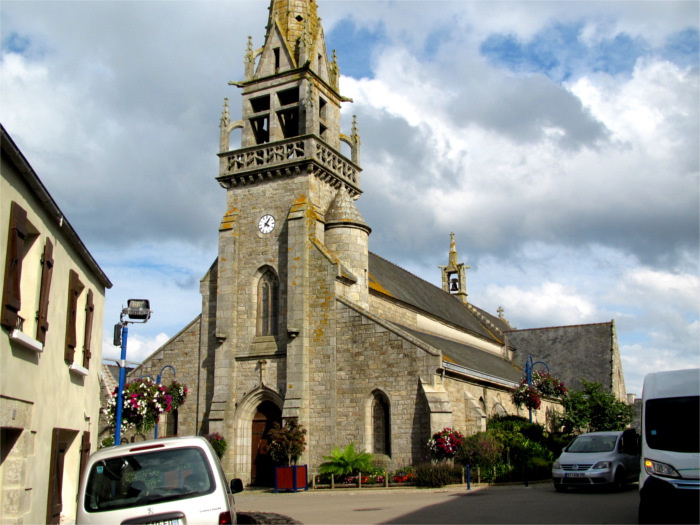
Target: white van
173, 481
669, 481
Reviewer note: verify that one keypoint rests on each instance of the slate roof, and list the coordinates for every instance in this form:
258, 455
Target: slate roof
470, 357
395, 282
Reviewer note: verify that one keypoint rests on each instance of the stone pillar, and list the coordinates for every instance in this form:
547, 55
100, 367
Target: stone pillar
300, 223
438, 404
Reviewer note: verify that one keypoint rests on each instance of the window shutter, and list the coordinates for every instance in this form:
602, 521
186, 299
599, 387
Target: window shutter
84, 454
11, 297
46, 273
89, 309
74, 289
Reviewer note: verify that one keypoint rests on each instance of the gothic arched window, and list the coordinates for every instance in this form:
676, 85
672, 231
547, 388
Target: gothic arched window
268, 300
381, 425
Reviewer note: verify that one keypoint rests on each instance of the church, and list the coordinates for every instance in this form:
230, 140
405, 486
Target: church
301, 321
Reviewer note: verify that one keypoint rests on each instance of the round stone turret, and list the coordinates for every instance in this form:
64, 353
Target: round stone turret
347, 237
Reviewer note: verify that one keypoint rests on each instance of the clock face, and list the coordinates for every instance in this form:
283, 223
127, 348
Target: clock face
266, 224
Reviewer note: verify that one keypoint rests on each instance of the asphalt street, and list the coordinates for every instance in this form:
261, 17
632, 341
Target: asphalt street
538, 503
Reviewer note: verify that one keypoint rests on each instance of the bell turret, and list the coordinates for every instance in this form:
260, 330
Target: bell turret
454, 275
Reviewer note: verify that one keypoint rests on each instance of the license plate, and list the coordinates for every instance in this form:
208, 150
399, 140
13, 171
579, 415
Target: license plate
574, 475
166, 522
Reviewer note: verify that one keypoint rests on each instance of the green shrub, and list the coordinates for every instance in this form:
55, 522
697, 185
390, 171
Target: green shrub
345, 462
511, 449
437, 474
481, 450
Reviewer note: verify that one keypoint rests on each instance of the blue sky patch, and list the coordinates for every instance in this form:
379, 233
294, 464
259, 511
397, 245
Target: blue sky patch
15, 43
559, 53
354, 46
682, 48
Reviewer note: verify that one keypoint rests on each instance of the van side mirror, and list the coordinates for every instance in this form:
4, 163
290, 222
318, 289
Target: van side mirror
236, 486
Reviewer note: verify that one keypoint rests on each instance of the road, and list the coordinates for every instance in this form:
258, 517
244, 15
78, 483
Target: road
538, 503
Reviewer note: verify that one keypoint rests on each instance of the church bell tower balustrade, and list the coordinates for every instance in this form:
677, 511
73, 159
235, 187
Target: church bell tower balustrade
246, 165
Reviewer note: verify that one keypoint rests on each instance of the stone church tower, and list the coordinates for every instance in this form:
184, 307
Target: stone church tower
299, 319
290, 198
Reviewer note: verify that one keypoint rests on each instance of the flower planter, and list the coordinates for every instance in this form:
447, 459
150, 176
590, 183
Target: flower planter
293, 478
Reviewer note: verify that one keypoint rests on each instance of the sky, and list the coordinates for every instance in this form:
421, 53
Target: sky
558, 140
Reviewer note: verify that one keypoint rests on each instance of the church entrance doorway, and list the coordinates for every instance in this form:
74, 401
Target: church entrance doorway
262, 466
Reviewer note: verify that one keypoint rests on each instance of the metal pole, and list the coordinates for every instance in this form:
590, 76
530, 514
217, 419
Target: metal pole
528, 375
155, 430
120, 388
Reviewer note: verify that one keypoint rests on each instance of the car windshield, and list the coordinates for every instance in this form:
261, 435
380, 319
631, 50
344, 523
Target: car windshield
672, 423
132, 480
589, 443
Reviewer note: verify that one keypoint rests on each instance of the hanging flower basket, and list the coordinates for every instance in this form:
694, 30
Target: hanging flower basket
143, 403
548, 385
528, 396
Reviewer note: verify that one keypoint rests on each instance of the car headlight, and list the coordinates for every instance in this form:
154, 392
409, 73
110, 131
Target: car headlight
660, 469
556, 465
602, 465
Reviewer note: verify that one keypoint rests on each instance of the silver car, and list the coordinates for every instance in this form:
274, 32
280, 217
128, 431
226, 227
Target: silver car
598, 458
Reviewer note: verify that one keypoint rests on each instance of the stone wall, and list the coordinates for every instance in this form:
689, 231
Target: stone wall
182, 353
575, 352
367, 355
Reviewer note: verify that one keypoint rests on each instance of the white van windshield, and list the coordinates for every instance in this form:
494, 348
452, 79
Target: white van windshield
591, 443
672, 424
133, 480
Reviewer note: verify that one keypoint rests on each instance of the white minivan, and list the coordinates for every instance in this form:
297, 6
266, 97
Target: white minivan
669, 481
170, 481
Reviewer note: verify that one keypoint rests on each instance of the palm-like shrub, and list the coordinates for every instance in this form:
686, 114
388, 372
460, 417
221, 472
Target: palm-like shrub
343, 462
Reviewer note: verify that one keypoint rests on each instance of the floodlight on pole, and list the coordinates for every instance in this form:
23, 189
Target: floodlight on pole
136, 311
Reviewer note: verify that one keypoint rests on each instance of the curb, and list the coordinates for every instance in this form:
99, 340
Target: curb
265, 518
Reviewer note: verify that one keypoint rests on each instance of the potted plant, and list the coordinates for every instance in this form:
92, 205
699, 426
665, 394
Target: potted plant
287, 444
218, 443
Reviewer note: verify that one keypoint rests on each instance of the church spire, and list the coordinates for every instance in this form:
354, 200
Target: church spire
298, 22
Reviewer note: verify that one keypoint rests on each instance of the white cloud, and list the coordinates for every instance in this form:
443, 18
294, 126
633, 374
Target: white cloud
138, 348
573, 202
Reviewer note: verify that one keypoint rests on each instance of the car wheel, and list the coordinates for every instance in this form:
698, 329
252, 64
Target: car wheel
559, 488
619, 481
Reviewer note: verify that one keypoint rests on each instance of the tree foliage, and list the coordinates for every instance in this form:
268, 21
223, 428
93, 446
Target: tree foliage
343, 462
593, 410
